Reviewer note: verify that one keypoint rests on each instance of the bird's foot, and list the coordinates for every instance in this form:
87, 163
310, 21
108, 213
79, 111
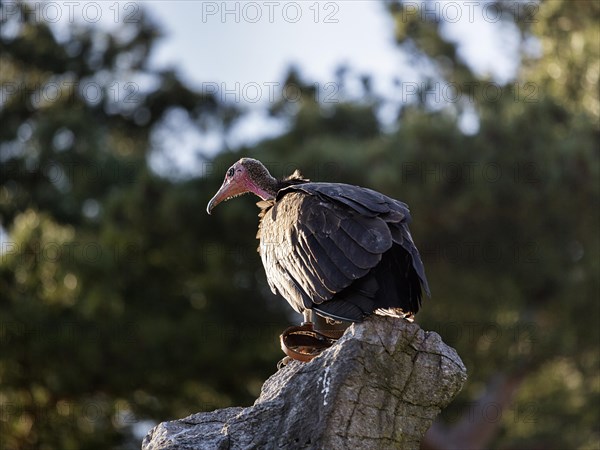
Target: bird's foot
303, 343
283, 362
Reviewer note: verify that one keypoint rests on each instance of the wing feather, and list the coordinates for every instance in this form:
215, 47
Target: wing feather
319, 247
401, 235
319, 241
344, 264
372, 234
360, 257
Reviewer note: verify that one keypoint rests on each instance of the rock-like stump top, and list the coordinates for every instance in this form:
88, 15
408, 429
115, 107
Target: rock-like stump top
379, 387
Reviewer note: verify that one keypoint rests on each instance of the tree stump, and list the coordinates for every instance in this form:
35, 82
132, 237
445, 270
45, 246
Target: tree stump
379, 387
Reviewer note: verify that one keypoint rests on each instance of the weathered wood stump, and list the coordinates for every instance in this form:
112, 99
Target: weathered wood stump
379, 387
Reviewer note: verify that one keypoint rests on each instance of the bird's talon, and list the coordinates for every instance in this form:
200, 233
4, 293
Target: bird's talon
283, 362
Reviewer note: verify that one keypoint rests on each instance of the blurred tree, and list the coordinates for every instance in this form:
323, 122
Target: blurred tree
119, 300
514, 244
504, 219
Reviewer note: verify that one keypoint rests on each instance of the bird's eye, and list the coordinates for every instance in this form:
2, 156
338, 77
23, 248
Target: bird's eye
230, 172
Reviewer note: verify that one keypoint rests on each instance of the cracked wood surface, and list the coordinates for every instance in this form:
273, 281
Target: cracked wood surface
379, 387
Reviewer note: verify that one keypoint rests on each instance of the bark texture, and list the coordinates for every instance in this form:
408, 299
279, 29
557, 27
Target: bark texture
379, 387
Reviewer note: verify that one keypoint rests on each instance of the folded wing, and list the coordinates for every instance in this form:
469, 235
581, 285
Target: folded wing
322, 244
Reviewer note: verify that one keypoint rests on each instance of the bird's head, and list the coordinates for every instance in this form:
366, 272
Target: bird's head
246, 175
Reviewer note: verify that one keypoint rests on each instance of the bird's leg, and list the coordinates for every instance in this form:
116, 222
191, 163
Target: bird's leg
308, 316
308, 340
307, 323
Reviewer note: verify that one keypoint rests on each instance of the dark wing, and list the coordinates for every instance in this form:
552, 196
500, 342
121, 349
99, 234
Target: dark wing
370, 203
320, 238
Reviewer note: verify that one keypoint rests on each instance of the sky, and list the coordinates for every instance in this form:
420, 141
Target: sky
317, 37
244, 50
241, 51
230, 42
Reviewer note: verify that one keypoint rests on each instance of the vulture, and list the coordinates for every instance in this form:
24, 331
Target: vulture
342, 251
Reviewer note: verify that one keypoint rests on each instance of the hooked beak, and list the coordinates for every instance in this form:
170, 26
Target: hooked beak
227, 190
213, 202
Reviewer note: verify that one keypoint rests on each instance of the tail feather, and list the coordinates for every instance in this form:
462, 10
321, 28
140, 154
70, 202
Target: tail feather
391, 288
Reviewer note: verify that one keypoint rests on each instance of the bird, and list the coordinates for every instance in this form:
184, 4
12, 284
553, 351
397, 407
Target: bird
341, 251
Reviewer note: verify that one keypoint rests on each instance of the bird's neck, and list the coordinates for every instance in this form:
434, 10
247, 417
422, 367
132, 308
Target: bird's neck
266, 188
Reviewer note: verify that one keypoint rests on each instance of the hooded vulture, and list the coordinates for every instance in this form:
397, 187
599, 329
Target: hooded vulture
342, 251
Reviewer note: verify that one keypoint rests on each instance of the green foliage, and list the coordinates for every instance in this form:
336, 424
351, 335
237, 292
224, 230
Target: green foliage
122, 301
119, 299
